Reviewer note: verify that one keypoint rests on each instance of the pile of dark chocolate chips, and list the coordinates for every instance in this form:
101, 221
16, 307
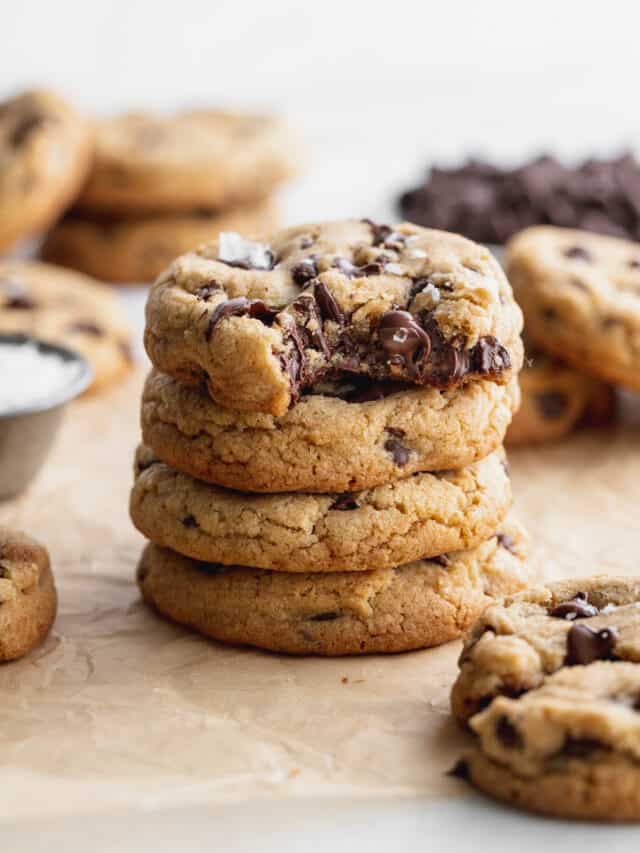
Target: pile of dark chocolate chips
489, 204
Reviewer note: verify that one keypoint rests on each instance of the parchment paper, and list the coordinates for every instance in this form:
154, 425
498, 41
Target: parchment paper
121, 710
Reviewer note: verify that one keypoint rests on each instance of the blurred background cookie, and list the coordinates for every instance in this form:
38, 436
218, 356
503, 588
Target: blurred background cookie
45, 149
64, 307
138, 250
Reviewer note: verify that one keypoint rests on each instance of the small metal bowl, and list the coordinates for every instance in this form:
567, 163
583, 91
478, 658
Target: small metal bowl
27, 433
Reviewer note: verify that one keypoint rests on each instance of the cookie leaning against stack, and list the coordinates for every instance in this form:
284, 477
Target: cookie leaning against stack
550, 684
322, 470
160, 185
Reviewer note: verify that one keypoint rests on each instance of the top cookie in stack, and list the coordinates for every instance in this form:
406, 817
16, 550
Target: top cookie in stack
364, 376
162, 184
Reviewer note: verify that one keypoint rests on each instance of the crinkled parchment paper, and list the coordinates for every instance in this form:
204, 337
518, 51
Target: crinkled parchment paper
120, 710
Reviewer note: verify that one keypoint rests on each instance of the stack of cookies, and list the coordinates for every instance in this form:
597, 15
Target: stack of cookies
322, 470
159, 185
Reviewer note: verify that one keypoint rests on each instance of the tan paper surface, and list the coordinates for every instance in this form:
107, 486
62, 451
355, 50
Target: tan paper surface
119, 709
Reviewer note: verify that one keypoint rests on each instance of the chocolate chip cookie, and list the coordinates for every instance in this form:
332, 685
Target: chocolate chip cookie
414, 606
138, 250
555, 400
147, 163
419, 516
45, 148
65, 307
28, 601
340, 438
580, 294
570, 748
518, 643
263, 322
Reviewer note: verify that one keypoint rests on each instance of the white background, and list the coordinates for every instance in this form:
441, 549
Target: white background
378, 90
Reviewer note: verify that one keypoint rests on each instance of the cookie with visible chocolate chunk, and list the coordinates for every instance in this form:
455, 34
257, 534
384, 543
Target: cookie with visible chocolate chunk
151, 163
516, 644
569, 748
340, 438
28, 601
580, 294
45, 150
556, 399
139, 249
263, 322
65, 307
414, 606
420, 516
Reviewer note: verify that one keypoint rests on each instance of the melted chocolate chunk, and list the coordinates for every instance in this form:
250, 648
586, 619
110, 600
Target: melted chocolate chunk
23, 130
585, 646
578, 253
489, 357
399, 453
507, 542
367, 391
329, 308
324, 617
240, 307
190, 521
349, 269
507, 733
345, 502
207, 290
552, 404
304, 271
87, 328
460, 770
577, 607
401, 335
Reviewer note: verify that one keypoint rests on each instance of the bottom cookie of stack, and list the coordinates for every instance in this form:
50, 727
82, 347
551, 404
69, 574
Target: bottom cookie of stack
415, 606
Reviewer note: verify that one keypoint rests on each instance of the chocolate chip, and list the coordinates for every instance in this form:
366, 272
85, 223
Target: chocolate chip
304, 271
345, 502
23, 130
490, 357
349, 269
507, 542
207, 290
17, 298
507, 733
400, 334
552, 404
379, 233
578, 253
190, 521
324, 617
329, 308
87, 328
460, 770
398, 451
442, 560
585, 646
577, 607
240, 307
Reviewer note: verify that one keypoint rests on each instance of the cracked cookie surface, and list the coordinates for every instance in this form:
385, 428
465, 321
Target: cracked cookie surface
557, 399
262, 322
353, 436
138, 250
414, 606
45, 149
580, 294
64, 307
149, 163
420, 516
517, 643
28, 601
